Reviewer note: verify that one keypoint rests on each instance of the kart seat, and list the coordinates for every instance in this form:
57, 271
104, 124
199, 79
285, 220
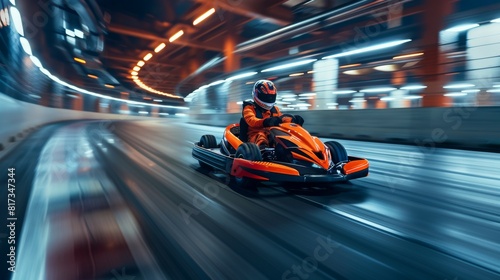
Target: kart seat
243, 133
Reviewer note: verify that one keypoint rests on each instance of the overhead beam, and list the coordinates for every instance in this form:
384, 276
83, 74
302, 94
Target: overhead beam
125, 30
263, 9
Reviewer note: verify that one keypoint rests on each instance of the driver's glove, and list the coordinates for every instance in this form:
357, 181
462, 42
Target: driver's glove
272, 121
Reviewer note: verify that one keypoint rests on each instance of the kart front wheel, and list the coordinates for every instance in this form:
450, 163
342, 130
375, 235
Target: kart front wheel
337, 151
248, 151
207, 142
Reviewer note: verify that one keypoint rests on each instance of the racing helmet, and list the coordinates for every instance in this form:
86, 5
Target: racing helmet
264, 94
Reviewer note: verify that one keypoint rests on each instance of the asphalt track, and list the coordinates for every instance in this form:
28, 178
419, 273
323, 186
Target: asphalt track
125, 200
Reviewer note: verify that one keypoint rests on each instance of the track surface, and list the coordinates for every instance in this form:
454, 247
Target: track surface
116, 200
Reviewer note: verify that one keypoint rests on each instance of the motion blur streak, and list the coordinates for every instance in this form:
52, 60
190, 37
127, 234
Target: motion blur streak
77, 226
131, 199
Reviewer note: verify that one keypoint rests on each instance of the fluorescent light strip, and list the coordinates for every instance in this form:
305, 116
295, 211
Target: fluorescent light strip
148, 56
26, 46
289, 65
408, 55
384, 89
137, 69
415, 87
455, 94
141, 63
411, 97
36, 61
160, 47
458, 86
16, 18
497, 20
461, 28
216, 83
176, 36
244, 75
79, 33
204, 16
343, 91
369, 49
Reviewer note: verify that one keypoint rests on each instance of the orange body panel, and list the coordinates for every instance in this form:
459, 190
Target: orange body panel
355, 166
231, 138
238, 171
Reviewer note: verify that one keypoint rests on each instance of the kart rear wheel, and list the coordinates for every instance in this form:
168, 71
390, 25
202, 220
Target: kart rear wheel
337, 151
248, 151
207, 142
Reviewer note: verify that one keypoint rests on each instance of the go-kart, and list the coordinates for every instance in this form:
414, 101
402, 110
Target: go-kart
293, 155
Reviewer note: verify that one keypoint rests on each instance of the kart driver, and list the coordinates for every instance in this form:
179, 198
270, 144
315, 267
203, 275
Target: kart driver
262, 113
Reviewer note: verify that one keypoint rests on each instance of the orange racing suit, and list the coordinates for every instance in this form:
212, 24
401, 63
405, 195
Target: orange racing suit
254, 116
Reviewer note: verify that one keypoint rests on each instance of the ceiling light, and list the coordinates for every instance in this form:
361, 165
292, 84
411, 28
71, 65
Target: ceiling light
347, 91
204, 16
387, 68
350, 65
471, 90
408, 55
369, 49
216, 83
137, 68
455, 94
306, 98
36, 61
332, 104
160, 47
26, 45
288, 99
249, 83
353, 72
157, 100
13, 2
310, 72
382, 89
16, 18
136, 78
287, 95
410, 97
176, 36
92, 76
289, 65
413, 87
497, 20
493, 91
109, 86
461, 28
459, 86
307, 94
79, 33
141, 63
70, 33
496, 85
134, 73
244, 75
387, 98
239, 102
80, 60
148, 56
296, 74
357, 100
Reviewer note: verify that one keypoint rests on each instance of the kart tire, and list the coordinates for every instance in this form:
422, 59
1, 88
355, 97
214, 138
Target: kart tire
248, 151
337, 151
207, 142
